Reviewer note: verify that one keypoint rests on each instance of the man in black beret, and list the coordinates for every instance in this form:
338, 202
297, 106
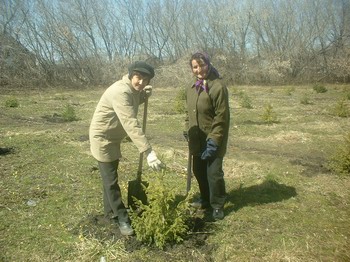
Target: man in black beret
115, 118
141, 67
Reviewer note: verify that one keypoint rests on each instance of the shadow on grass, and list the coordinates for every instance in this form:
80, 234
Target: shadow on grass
6, 150
259, 122
311, 166
269, 191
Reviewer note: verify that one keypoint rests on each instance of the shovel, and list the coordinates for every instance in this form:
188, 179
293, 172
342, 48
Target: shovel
136, 188
189, 166
189, 172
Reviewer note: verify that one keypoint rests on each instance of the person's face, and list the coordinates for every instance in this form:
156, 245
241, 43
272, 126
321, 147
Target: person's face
139, 82
199, 69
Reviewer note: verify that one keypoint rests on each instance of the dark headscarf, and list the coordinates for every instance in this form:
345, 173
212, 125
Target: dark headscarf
202, 56
205, 58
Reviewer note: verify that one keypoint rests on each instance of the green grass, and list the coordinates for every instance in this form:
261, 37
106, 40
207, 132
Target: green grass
283, 203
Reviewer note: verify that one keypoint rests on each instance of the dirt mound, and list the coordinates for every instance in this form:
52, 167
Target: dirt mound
105, 229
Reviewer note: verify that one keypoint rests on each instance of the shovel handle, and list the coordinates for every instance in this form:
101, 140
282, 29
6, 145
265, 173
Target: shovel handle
189, 164
189, 172
144, 121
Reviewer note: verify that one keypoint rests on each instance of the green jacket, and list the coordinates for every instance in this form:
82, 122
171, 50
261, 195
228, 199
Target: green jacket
115, 118
208, 116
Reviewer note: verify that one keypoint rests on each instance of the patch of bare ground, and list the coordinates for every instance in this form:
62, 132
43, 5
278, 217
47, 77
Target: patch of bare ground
97, 226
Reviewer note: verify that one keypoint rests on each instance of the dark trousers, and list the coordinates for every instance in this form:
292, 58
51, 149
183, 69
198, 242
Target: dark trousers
112, 198
210, 178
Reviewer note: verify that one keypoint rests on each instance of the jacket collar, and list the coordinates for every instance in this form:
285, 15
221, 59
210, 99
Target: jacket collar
127, 81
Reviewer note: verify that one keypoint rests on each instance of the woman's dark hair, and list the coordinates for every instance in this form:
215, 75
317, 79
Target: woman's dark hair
200, 56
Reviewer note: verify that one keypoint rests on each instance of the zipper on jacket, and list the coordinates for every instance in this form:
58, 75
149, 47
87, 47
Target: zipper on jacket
197, 122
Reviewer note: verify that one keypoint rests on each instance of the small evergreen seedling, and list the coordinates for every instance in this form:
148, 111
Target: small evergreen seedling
319, 88
12, 102
290, 90
340, 161
246, 102
240, 93
180, 99
269, 116
305, 100
163, 220
69, 114
341, 109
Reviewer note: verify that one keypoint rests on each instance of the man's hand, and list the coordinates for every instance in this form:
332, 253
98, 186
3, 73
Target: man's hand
148, 90
210, 151
154, 162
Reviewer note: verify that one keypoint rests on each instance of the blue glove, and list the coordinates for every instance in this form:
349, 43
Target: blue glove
210, 151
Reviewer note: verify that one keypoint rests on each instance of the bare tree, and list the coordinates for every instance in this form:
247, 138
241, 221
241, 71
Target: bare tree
271, 41
161, 29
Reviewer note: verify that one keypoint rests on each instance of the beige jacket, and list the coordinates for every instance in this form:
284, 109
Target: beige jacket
115, 117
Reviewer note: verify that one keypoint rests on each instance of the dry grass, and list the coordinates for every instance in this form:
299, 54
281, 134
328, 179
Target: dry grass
283, 202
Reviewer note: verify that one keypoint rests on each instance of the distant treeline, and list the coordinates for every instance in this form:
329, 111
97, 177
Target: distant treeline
90, 42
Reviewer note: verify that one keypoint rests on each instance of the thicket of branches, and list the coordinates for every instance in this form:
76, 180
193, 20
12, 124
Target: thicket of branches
89, 42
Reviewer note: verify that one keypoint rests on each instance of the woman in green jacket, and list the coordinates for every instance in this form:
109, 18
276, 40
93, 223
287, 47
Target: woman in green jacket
208, 127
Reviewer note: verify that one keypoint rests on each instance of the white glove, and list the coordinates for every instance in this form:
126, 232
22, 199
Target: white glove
153, 161
148, 90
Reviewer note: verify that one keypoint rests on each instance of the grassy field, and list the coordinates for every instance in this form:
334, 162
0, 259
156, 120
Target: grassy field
283, 202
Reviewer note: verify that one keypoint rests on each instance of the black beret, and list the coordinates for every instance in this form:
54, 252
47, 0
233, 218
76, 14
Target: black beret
142, 67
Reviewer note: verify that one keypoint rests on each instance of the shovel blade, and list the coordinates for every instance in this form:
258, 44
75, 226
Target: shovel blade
136, 189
